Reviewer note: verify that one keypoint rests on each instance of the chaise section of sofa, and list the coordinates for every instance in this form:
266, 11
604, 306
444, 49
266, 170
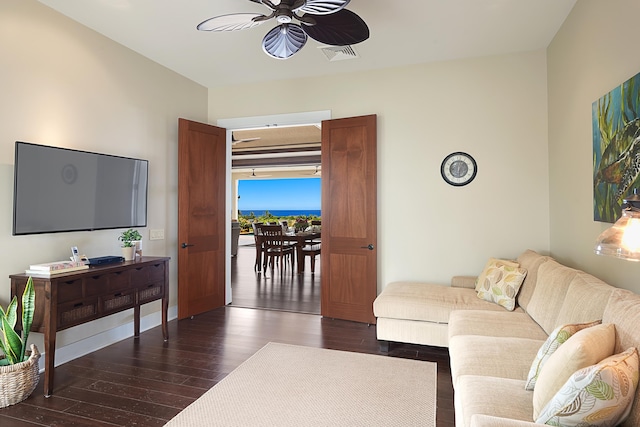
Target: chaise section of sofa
418, 313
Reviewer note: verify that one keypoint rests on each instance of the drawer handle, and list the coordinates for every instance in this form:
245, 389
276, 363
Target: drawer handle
95, 277
118, 294
70, 282
78, 304
139, 268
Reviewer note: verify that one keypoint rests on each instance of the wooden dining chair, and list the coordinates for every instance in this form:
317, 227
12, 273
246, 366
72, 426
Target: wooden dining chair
312, 250
275, 249
257, 239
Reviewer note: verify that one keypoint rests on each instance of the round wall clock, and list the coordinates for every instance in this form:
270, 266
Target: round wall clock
458, 169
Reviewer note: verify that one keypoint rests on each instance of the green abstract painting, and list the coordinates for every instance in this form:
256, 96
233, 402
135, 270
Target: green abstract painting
616, 148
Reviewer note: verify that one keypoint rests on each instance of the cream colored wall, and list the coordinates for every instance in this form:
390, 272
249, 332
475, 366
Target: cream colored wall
67, 86
594, 52
494, 108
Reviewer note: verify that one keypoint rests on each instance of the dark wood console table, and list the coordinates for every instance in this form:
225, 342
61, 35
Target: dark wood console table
74, 298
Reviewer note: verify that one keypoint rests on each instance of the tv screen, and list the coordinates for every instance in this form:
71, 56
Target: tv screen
59, 189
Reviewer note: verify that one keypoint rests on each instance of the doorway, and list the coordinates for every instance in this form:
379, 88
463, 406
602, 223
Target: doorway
297, 292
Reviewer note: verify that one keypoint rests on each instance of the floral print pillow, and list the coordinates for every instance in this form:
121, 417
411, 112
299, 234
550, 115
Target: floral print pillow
599, 395
557, 337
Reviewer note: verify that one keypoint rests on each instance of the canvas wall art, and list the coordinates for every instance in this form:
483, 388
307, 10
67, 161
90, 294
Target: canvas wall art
616, 148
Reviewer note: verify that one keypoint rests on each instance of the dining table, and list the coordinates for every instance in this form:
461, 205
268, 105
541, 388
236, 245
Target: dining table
299, 239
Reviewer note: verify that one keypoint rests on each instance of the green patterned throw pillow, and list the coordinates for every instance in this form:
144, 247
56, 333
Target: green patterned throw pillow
501, 284
599, 395
557, 337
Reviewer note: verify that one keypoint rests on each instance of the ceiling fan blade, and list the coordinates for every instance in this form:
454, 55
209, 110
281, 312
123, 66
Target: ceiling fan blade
232, 22
338, 29
284, 41
322, 7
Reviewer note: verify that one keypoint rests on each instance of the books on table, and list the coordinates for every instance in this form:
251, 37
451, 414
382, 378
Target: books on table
56, 267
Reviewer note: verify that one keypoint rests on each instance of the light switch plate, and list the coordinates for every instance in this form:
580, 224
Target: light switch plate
157, 234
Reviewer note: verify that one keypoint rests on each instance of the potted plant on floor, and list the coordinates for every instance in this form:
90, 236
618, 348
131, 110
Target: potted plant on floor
19, 371
129, 239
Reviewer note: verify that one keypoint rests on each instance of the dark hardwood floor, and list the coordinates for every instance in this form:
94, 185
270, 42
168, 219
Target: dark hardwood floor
290, 292
145, 381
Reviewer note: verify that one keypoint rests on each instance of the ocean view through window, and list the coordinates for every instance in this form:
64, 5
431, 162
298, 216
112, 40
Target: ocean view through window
281, 198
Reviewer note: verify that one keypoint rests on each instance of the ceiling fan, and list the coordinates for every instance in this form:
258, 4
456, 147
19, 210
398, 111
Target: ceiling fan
326, 21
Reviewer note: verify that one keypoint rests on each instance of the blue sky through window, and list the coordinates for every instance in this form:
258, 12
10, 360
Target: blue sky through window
279, 194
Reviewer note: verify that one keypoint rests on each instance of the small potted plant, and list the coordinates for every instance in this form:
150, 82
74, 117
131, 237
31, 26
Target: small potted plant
19, 371
129, 239
300, 224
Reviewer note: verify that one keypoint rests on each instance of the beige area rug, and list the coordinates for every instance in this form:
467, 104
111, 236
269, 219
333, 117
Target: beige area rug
288, 385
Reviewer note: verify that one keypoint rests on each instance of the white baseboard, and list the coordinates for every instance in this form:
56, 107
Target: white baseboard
106, 338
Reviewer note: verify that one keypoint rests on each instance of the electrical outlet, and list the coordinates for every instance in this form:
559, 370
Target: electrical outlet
157, 234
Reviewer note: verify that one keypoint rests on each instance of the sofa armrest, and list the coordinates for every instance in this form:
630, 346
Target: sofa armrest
463, 282
480, 420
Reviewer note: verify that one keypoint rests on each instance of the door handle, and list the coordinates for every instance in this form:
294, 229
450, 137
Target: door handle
184, 246
369, 246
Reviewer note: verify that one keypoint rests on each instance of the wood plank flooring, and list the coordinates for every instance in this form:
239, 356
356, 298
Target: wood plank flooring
145, 381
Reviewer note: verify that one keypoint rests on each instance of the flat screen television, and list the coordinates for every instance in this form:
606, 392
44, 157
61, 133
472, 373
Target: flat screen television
60, 190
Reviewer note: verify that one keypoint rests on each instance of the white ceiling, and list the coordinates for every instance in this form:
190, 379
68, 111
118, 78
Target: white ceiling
402, 33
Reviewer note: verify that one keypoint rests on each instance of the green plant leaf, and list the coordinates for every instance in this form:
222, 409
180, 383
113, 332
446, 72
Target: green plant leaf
11, 315
28, 308
13, 343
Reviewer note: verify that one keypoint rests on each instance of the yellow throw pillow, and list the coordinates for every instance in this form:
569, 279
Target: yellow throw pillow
585, 348
491, 264
599, 395
559, 336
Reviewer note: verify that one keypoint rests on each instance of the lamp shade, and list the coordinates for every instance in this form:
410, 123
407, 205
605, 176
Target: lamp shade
622, 240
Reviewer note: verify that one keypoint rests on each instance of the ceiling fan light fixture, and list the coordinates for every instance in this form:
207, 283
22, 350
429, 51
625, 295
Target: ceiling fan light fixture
284, 41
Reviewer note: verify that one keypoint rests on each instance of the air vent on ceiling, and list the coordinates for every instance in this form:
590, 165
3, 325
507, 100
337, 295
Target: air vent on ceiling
339, 53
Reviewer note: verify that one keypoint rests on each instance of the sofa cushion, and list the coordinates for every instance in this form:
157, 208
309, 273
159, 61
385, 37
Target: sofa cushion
515, 324
622, 310
500, 357
585, 348
585, 300
501, 285
499, 397
548, 296
599, 395
428, 302
490, 266
557, 337
531, 261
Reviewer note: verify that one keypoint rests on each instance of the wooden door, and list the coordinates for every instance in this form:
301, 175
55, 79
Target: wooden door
349, 218
201, 217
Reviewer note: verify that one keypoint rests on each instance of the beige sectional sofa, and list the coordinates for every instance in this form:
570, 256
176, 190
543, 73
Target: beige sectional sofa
492, 349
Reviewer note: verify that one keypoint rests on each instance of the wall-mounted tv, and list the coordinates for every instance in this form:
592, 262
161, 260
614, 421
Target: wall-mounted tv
59, 189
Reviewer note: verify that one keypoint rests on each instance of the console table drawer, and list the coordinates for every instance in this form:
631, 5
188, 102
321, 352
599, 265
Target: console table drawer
106, 283
71, 314
69, 290
96, 285
150, 292
156, 272
117, 302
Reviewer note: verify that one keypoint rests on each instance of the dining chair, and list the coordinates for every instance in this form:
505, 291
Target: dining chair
257, 233
311, 249
275, 249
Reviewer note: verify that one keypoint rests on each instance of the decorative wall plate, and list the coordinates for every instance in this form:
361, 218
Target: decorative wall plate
458, 169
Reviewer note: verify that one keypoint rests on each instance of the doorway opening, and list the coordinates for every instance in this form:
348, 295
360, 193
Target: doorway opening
256, 154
